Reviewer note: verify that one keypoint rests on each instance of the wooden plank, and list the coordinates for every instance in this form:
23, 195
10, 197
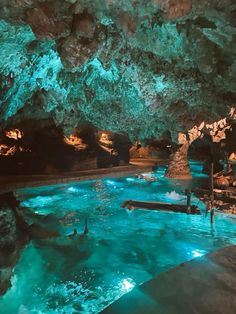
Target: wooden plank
159, 206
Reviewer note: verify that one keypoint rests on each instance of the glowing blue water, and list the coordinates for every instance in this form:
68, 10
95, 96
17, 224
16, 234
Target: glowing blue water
123, 249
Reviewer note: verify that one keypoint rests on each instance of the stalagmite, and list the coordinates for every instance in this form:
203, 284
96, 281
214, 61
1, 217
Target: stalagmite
179, 165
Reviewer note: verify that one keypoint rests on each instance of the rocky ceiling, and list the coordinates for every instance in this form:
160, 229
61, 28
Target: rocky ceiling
140, 66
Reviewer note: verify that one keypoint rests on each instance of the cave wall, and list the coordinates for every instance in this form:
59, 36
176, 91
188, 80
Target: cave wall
40, 147
143, 67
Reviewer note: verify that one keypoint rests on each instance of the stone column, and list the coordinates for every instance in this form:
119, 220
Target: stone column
178, 167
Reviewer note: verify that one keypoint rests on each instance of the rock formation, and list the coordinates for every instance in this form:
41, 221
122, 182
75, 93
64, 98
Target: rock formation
39, 146
143, 67
179, 166
15, 233
12, 239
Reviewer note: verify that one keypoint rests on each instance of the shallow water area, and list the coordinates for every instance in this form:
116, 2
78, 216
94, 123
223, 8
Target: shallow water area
123, 248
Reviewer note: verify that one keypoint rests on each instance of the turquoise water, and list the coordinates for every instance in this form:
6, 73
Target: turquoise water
123, 249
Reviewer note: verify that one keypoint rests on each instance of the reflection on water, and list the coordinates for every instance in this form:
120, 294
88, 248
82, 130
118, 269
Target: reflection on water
123, 249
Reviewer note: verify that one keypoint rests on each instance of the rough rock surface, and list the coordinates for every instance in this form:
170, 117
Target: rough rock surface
7, 228
43, 149
14, 235
9, 240
138, 66
179, 166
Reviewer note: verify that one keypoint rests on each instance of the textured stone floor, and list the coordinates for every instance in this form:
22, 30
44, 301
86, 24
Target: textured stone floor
204, 285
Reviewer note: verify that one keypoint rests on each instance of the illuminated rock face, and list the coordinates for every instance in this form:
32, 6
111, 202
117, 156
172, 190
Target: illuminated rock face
40, 147
179, 166
143, 67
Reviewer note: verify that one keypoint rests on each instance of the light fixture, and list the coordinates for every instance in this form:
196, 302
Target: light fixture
127, 285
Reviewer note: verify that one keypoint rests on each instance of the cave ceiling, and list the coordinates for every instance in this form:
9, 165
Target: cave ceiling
139, 66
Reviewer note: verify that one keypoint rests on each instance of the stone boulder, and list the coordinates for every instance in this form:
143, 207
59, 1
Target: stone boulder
8, 233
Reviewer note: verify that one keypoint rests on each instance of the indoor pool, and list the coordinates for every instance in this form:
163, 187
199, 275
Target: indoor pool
122, 249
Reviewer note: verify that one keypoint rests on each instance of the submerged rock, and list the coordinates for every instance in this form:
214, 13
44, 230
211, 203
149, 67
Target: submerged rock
5, 279
10, 239
38, 232
8, 232
15, 233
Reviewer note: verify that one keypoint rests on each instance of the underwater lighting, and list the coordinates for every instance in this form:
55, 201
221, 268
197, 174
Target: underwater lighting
110, 182
41, 201
127, 285
72, 189
198, 253
130, 179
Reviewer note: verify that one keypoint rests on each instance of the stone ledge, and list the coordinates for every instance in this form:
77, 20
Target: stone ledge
201, 286
9, 183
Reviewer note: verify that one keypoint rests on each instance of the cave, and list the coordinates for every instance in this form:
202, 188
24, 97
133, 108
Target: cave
117, 156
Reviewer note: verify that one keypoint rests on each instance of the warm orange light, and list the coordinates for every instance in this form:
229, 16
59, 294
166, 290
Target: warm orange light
15, 133
7, 150
75, 141
217, 130
104, 139
232, 157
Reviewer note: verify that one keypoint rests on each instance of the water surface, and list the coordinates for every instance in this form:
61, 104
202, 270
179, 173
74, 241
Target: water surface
123, 249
